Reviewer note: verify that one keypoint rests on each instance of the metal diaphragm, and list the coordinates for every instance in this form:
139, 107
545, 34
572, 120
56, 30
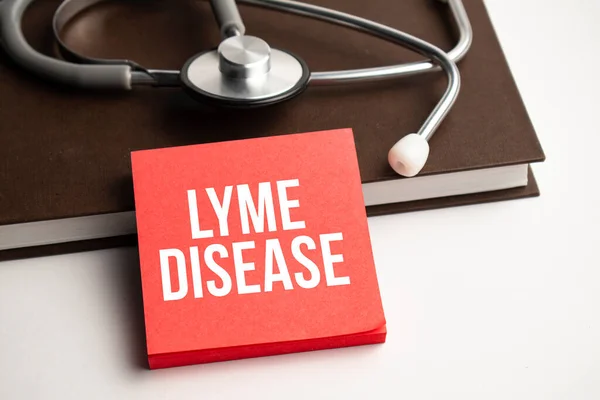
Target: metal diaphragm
244, 72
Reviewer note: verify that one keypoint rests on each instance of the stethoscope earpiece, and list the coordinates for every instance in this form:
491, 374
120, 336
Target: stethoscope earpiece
409, 155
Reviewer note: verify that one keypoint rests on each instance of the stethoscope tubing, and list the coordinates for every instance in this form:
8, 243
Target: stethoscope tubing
123, 74
11, 12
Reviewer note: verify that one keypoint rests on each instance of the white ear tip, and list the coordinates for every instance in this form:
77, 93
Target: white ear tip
409, 155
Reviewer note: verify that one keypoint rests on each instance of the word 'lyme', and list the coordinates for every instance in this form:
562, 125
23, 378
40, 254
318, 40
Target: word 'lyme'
247, 209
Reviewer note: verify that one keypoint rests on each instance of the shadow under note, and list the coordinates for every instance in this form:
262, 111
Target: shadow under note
129, 286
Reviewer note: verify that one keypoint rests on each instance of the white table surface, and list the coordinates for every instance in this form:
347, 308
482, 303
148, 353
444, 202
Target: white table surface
495, 301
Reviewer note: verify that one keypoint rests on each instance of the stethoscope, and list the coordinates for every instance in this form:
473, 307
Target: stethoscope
244, 71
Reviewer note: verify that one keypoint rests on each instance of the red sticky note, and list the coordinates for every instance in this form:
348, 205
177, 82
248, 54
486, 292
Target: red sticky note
253, 248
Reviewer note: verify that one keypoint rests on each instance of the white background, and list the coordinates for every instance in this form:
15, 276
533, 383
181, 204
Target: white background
495, 301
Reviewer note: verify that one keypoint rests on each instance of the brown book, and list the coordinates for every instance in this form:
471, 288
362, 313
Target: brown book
66, 153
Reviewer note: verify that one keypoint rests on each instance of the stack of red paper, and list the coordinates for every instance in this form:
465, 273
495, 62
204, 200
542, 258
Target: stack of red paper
254, 248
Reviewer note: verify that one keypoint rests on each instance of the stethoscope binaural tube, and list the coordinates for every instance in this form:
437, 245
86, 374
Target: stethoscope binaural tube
407, 157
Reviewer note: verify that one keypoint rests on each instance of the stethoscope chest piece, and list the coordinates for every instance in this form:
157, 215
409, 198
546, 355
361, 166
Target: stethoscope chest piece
244, 71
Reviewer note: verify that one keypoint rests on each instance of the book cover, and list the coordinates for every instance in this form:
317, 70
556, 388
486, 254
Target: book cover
253, 248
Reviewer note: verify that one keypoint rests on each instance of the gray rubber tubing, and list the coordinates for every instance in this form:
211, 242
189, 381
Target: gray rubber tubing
228, 17
78, 75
